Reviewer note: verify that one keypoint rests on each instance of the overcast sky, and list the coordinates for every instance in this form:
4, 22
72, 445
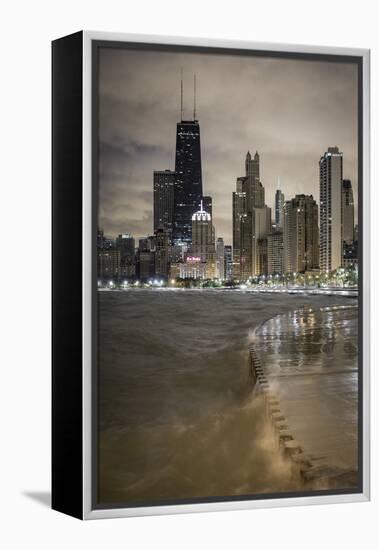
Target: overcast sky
288, 110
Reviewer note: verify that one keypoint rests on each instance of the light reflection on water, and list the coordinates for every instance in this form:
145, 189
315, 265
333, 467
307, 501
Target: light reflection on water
310, 358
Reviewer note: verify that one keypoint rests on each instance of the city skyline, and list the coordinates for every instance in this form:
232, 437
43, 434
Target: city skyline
293, 243
290, 129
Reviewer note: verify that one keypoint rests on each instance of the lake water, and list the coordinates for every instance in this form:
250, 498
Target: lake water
178, 415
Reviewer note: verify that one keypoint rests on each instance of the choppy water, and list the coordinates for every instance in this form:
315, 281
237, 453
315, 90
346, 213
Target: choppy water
177, 415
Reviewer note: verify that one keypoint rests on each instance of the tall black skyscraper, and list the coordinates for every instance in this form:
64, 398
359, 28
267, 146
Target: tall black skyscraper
189, 186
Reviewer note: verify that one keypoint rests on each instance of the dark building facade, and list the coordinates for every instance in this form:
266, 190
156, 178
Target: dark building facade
125, 244
301, 234
207, 205
350, 254
189, 185
146, 244
103, 242
347, 212
108, 264
228, 262
239, 210
145, 265
279, 204
164, 184
162, 252
275, 252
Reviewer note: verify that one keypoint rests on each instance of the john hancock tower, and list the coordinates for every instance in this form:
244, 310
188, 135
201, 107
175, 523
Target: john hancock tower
189, 185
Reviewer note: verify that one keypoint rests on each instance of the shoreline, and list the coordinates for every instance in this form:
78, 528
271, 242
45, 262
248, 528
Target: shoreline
311, 472
333, 291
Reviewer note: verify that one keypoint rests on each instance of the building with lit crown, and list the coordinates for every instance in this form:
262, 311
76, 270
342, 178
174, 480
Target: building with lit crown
203, 245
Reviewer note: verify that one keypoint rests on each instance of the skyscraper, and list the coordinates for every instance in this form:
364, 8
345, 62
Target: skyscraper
162, 252
146, 244
347, 212
189, 185
331, 209
261, 260
220, 258
203, 245
251, 220
100, 238
251, 184
164, 184
275, 252
108, 263
239, 209
350, 254
145, 264
261, 227
126, 247
301, 235
228, 262
207, 205
104, 242
279, 203
252, 166
245, 251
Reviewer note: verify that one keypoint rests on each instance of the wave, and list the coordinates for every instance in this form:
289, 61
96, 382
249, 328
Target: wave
177, 415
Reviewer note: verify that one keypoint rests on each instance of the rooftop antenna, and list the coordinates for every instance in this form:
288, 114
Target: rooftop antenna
194, 96
181, 95
278, 182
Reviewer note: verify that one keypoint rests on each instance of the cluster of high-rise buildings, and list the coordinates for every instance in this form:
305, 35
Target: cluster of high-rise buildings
183, 244
302, 235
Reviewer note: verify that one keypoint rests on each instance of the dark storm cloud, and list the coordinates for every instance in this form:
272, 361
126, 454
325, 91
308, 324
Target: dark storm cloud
288, 110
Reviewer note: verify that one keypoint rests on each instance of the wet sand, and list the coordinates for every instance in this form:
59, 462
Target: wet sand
310, 360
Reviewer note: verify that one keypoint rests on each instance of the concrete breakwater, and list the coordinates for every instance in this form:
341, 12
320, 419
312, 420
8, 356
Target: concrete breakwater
305, 365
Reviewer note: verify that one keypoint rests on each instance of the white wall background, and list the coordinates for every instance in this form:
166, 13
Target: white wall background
26, 31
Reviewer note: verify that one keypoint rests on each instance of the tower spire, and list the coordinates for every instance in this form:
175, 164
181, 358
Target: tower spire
194, 96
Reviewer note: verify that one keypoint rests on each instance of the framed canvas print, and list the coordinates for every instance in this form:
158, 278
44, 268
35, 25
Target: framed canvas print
210, 275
